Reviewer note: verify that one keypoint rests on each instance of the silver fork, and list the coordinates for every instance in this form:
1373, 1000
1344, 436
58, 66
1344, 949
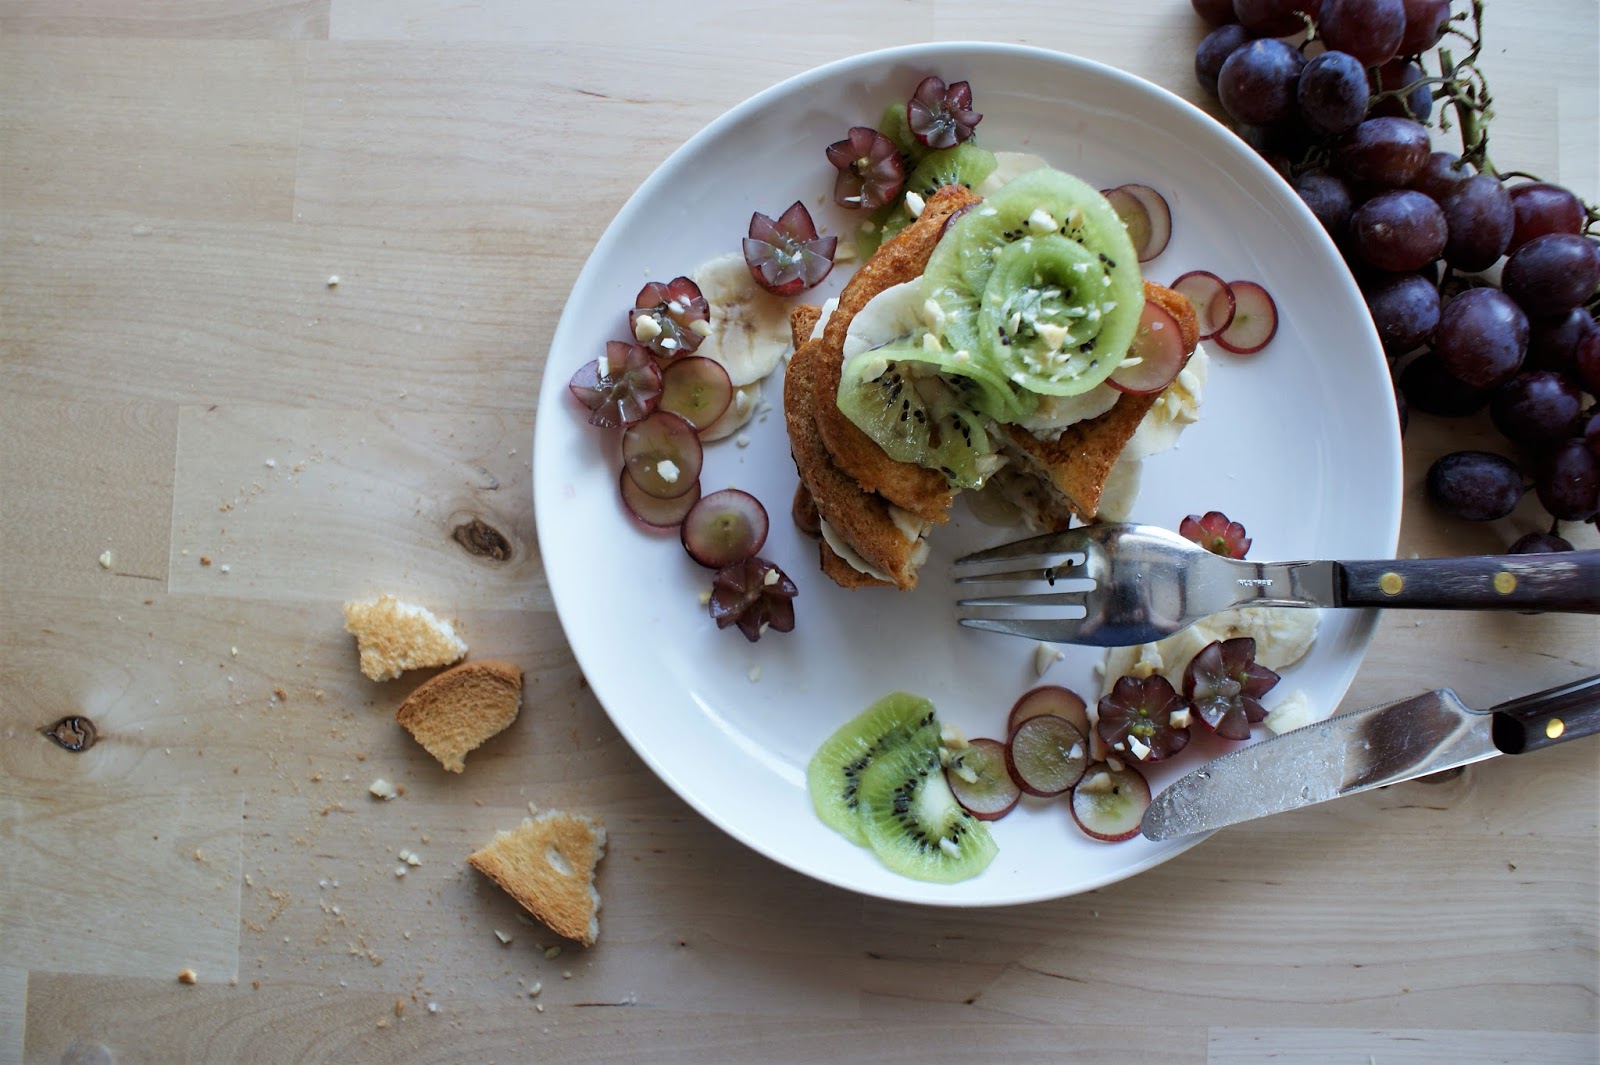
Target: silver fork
1115, 585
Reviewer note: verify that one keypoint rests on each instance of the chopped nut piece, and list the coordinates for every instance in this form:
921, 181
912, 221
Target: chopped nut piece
382, 789
188, 976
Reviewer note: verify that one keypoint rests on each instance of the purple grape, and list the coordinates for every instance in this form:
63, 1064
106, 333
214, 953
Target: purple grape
1388, 152
1425, 23
1441, 175
1274, 18
1586, 361
1482, 337
1257, 82
1213, 51
1397, 74
1536, 407
1544, 208
1399, 230
1553, 342
1568, 482
1538, 543
1429, 387
1332, 93
1475, 485
1216, 12
1591, 433
1370, 30
1329, 199
1479, 217
1405, 309
1551, 274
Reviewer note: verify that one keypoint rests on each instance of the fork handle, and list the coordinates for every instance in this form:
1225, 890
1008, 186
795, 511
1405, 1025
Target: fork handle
1566, 581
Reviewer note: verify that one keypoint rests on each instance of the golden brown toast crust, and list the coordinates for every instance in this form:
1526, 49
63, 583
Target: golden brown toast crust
456, 712
561, 893
1078, 461
802, 320
924, 492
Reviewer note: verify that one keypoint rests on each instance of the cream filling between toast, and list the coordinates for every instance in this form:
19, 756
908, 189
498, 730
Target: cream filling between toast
913, 528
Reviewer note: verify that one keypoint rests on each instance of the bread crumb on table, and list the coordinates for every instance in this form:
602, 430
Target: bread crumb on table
393, 636
188, 976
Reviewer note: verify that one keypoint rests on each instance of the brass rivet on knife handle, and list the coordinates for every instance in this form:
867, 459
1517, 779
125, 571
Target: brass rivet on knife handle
1554, 728
1391, 583
1505, 583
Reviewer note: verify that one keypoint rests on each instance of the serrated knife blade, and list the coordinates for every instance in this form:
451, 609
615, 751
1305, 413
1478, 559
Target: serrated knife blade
1367, 749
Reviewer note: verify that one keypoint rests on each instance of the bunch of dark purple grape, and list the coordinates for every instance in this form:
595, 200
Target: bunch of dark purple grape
1482, 284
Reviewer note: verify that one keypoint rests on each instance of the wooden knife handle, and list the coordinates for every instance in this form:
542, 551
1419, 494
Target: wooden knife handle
1558, 580
1548, 717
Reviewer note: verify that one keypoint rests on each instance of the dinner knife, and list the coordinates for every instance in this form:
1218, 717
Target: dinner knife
1367, 749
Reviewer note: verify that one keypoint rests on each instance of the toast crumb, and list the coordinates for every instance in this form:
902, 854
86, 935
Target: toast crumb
393, 637
548, 864
461, 708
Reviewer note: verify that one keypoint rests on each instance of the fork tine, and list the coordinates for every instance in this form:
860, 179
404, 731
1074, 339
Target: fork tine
1070, 542
1041, 599
1050, 630
1049, 574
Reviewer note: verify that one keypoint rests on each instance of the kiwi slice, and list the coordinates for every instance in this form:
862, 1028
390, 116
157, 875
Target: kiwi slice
916, 416
834, 775
912, 820
1069, 268
886, 221
965, 164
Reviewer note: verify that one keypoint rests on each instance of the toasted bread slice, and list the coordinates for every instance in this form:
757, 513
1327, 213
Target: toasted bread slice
802, 321
1076, 463
393, 637
924, 492
547, 864
459, 709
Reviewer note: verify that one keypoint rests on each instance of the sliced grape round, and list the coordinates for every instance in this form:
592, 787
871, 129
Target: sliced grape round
1109, 804
1145, 213
1049, 699
1046, 755
725, 527
1255, 319
653, 512
1212, 299
1156, 355
620, 388
662, 454
696, 389
979, 780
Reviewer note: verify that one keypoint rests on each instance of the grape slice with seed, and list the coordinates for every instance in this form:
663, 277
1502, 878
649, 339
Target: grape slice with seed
980, 781
662, 454
1046, 755
697, 389
1211, 297
651, 511
1049, 699
725, 527
1255, 319
1156, 355
1145, 213
1109, 804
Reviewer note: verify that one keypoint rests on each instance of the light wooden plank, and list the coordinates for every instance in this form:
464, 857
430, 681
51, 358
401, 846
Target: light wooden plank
83, 478
1245, 1046
301, 504
13, 1013
126, 308
175, 129
156, 891
187, 19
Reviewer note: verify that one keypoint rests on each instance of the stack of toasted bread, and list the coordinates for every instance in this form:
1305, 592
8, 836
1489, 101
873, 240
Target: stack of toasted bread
872, 513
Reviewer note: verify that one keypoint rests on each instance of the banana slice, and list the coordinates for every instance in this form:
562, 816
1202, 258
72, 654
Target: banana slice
897, 313
1294, 711
1168, 657
1174, 410
1008, 165
749, 325
829, 305
746, 398
1283, 634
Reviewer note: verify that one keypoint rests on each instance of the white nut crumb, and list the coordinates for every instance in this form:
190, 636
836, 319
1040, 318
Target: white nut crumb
333, 281
553, 952
433, 1007
225, 568
533, 992
234, 651
1044, 656
742, 440
501, 936
567, 974
705, 596
754, 674
105, 560
399, 872
539, 1006
382, 789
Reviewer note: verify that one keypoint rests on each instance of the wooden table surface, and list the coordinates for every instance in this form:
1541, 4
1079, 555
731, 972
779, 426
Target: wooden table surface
180, 179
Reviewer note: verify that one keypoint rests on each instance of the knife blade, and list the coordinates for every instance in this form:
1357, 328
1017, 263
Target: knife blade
1367, 749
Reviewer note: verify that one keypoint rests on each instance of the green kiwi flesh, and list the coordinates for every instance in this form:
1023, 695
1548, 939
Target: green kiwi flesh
834, 774
895, 396
912, 820
965, 164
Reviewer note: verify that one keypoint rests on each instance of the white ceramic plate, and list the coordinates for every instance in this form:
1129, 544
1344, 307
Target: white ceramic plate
1298, 442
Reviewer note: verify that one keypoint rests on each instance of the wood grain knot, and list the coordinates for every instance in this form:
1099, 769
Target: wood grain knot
482, 539
74, 733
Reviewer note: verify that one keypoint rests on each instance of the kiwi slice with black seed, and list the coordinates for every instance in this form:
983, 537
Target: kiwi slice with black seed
895, 395
965, 164
834, 775
913, 822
